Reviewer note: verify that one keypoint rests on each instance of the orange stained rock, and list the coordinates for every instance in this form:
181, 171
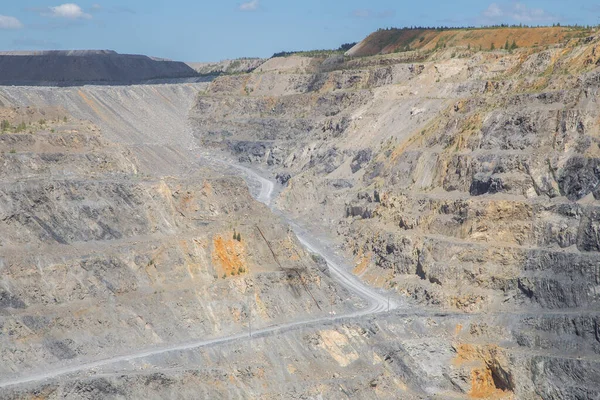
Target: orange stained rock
482, 381
229, 256
458, 329
483, 387
465, 353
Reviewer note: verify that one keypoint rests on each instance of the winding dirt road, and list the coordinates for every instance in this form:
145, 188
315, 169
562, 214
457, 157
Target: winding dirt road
266, 189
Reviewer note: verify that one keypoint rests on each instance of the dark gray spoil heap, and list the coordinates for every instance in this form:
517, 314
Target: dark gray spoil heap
65, 68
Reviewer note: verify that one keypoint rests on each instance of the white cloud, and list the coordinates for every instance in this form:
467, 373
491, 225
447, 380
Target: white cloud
523, 13
493, 11
517, 12
249, 6
7, 22
68, 10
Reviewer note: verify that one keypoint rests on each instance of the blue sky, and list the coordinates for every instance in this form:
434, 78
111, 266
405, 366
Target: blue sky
203, 30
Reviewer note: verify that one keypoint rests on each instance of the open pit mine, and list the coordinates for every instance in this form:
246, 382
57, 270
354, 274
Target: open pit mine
416, 218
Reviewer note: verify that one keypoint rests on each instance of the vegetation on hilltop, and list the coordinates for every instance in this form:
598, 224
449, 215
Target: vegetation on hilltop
316, 53
425, 38
392, 40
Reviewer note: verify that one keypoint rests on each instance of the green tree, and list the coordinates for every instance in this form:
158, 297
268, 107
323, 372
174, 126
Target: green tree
347, 46
239, 237
5, 125
493, 46
514, 46
506, 45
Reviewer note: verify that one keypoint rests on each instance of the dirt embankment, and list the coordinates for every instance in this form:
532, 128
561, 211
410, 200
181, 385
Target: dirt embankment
388, 41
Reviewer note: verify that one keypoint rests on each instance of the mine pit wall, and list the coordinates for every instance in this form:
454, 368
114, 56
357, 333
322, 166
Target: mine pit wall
152, 119
113, 239
102, 254
394, 157
463, 188
370, 359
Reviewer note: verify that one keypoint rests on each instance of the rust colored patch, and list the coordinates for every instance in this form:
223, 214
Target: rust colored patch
458, 329
229, 256
362, 265
479, 358
466, 353
482, 385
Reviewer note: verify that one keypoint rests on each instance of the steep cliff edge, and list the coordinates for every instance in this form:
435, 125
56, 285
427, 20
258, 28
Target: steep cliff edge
465, 180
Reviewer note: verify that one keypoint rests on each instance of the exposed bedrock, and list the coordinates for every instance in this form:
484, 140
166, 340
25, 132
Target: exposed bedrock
467, 184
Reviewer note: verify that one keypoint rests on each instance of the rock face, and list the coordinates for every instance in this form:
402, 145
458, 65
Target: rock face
76, 68
464, 181
112, 247
226, 67
470, 184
